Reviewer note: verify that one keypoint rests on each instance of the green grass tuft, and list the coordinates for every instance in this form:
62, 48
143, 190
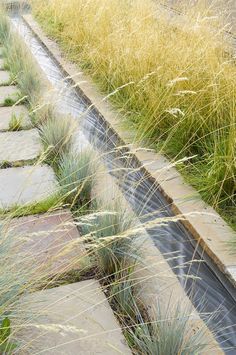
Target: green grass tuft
49, 204
15, 123
9, 101
5, 164
76, 174
56, 135
111, 231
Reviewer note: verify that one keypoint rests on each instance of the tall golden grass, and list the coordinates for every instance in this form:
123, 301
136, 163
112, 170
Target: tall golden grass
177, 76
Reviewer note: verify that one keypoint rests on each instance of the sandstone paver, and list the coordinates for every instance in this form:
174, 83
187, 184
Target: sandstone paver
19, 111
50, 240
5, 77
1, 63
25, 185
8, 92
20, 146
85, 321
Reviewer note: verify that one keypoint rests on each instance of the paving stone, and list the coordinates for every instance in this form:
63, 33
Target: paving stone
28, 141
5, 77
20, 112
1, 63
6, 92
51, 241
82, 317
25, 185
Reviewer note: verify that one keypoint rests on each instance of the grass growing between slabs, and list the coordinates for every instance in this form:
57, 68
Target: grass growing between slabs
15, 123
56, 131
56, 137
17, 60
173, 79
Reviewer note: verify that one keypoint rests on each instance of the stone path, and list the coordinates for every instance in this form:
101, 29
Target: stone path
5, 77
74, 319
51, 241
1, 63
28, 141
8, 93
26, 185
49, 245
18, 112
20, 185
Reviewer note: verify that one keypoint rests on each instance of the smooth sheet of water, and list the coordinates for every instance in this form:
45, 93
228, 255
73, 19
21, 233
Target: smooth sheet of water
207, 292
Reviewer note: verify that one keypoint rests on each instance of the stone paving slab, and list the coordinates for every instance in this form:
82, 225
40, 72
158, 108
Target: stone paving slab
20, 146
51, 241
1, 63
5, 77
86, 324
20, 112
8, 92
26, 185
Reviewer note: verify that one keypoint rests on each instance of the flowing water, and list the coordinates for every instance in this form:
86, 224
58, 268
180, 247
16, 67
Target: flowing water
208, 289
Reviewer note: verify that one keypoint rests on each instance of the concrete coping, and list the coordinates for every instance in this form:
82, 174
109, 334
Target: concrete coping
204, 223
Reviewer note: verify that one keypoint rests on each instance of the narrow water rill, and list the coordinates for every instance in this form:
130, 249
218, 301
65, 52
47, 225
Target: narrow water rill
209, 290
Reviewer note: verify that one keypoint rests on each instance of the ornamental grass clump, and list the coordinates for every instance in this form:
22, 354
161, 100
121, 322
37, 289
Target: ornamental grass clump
168, 332
15, 123
171, 333
173, 77
56, 135
111, 231
75, 174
